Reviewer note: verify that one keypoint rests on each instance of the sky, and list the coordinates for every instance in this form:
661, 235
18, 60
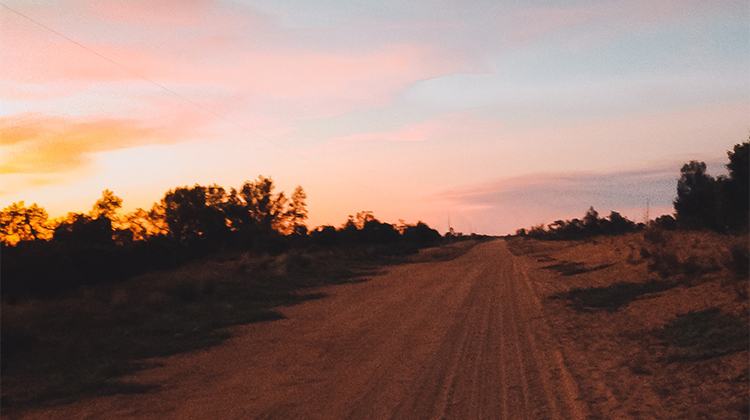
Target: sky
485, 116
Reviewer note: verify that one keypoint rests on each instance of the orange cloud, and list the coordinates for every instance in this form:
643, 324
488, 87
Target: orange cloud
35, 144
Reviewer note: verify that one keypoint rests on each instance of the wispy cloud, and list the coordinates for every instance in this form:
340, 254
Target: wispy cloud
408, 96
37, 144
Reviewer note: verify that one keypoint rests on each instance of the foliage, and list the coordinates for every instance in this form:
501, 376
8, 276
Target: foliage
696, 201
188, 223
21, 223
719, 204
590, 226
106, 206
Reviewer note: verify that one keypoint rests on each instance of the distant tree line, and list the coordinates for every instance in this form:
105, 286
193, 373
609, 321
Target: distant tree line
591, 225
703, 202
43, 257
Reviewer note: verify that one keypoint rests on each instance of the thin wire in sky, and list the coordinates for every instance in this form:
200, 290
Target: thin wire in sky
194, 103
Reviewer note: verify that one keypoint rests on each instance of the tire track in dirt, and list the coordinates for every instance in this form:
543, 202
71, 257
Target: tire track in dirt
461, 339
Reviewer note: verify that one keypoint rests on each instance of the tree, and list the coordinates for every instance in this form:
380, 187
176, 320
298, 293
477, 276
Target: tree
196, 213
21, 223
81, 229
144, 224
696, 204
591, 221
265, 209
421, 234
106, 206
617, 224
736, 189
297, 212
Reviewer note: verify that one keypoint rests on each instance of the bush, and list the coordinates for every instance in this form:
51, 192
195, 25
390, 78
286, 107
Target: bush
705, 334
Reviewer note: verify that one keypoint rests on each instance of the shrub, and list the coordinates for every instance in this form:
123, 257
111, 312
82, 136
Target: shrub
705, 334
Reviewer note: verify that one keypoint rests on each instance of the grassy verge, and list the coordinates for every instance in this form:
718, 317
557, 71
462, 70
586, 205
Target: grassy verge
63, 349
705, 334
613, 297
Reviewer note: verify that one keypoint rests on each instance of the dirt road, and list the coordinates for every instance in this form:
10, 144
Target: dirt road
460, 339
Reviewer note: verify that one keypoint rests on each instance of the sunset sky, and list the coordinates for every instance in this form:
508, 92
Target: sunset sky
494, 115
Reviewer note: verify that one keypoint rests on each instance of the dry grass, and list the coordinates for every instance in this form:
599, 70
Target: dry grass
683, 346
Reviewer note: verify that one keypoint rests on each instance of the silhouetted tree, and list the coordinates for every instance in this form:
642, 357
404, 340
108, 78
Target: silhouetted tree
696, 205
265, 208
196, 214
736, 188
325, 236
80, 229
665, 222
21, 223
616, 224
421, 235
591, 225
106, 206
141, 224
297, 213
591, 221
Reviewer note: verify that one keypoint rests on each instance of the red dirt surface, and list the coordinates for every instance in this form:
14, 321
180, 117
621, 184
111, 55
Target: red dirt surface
470, 338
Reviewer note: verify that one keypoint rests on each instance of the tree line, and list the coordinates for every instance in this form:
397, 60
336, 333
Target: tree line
43, 257
702, 202
591, 225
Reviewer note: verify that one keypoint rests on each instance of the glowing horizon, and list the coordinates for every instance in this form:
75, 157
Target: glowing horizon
497, 115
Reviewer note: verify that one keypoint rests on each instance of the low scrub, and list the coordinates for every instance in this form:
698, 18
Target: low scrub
691, 255
705, 334
615, 296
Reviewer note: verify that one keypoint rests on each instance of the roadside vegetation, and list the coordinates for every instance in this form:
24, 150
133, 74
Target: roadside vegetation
48, 258
705, 241
88, 297
660, 308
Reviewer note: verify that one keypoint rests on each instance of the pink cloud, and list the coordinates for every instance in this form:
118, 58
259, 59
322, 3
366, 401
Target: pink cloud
217, 54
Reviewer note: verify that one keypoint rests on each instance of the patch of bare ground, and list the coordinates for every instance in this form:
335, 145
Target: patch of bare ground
619, 329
